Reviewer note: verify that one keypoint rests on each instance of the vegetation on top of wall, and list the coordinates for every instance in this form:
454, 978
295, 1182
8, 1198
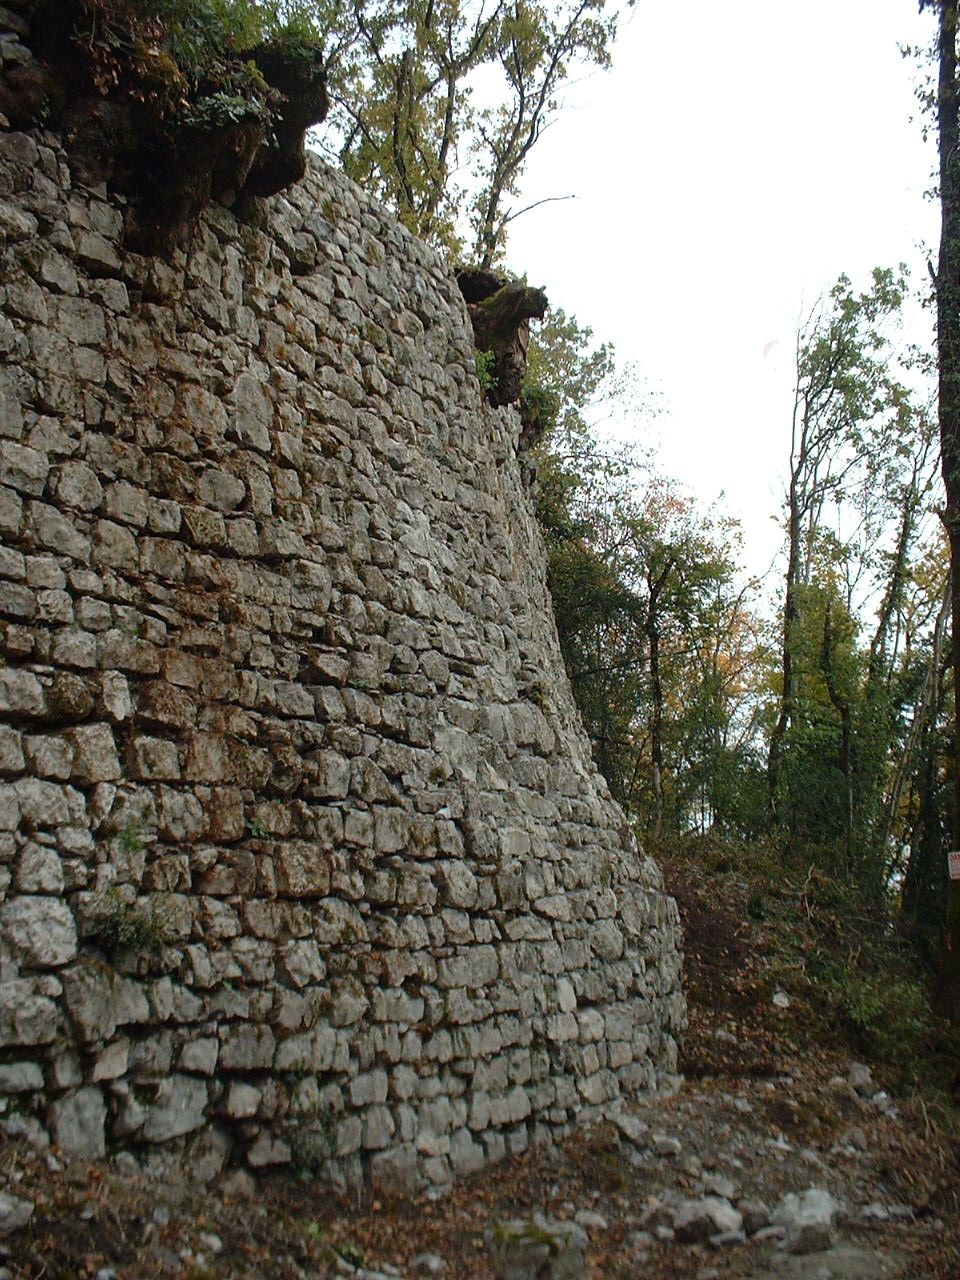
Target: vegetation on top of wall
171, 57
180, 102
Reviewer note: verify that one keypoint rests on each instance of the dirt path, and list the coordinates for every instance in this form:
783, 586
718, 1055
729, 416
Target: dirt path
765, 1113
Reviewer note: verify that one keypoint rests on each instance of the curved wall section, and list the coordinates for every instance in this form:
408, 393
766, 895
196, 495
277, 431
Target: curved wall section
302, 853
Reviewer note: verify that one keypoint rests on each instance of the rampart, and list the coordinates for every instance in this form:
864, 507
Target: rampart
302, 854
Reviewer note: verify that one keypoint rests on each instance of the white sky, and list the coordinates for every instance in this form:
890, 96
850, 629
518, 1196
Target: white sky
738, 157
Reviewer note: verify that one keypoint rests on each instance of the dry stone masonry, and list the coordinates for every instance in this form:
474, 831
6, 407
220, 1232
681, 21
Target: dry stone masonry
302, 854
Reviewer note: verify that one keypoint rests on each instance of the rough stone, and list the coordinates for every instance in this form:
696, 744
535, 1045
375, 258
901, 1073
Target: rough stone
78, 1121
538, 1249
41, 929
179, 1108
15, 1212
807, 1220
272, 581
699, 1220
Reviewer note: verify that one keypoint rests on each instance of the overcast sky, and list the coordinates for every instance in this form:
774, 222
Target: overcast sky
738, 157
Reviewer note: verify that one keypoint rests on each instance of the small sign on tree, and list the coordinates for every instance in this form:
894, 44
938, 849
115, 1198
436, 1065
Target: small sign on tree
953, 864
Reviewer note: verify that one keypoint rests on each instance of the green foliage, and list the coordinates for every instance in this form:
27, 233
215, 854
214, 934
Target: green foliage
863, 978
403, 82
183, 61
354, 1254
122, 926
888, 1017
854, 981
486, 364
129, 837
652, 628
862, 464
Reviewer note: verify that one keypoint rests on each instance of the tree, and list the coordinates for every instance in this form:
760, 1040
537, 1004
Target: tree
403, 77
860, 445
947, 288
535, 49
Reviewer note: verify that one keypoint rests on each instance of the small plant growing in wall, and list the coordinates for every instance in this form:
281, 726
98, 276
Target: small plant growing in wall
486, 362
130, 838
122, 927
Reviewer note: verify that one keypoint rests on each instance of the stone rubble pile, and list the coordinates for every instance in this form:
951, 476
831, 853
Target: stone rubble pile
302, 854
731, 1190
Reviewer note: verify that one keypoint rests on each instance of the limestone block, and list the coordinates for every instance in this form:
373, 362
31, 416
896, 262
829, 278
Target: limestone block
163, 558
315, 1050
77, 485
129, 1113
95, 756
27, 1017
301, 962
78, 1124
68, 699
471, 968
330, 774
179, 1108
121, 651
246, 1048
807, 1219
221, 490
154, 759
20, 692
23, 468
243, 1100
606, 940
54, 606
115, 545
458, 884
165, 516
268, 1150
111, 1062
127, 503
94, 252
53, 530
39, 870
200, 1055
369, 1087
18, 601
83, 319
204, 528
591, 1024
40, 929
397, 1006
181, 816
90, 993
555, 906
12, 759
466, 1155
74, 648
561, 1027
115, 695
251, 413
21, 1077
10, 502
378, 1128
16, 223
348, 1004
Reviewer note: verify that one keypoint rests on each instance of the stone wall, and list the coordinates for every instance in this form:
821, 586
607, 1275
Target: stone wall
302, 854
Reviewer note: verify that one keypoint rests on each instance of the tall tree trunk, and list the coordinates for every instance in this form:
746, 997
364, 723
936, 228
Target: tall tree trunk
655, 586
948, 352
922, 728
841, 704
788, 692
656, 732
